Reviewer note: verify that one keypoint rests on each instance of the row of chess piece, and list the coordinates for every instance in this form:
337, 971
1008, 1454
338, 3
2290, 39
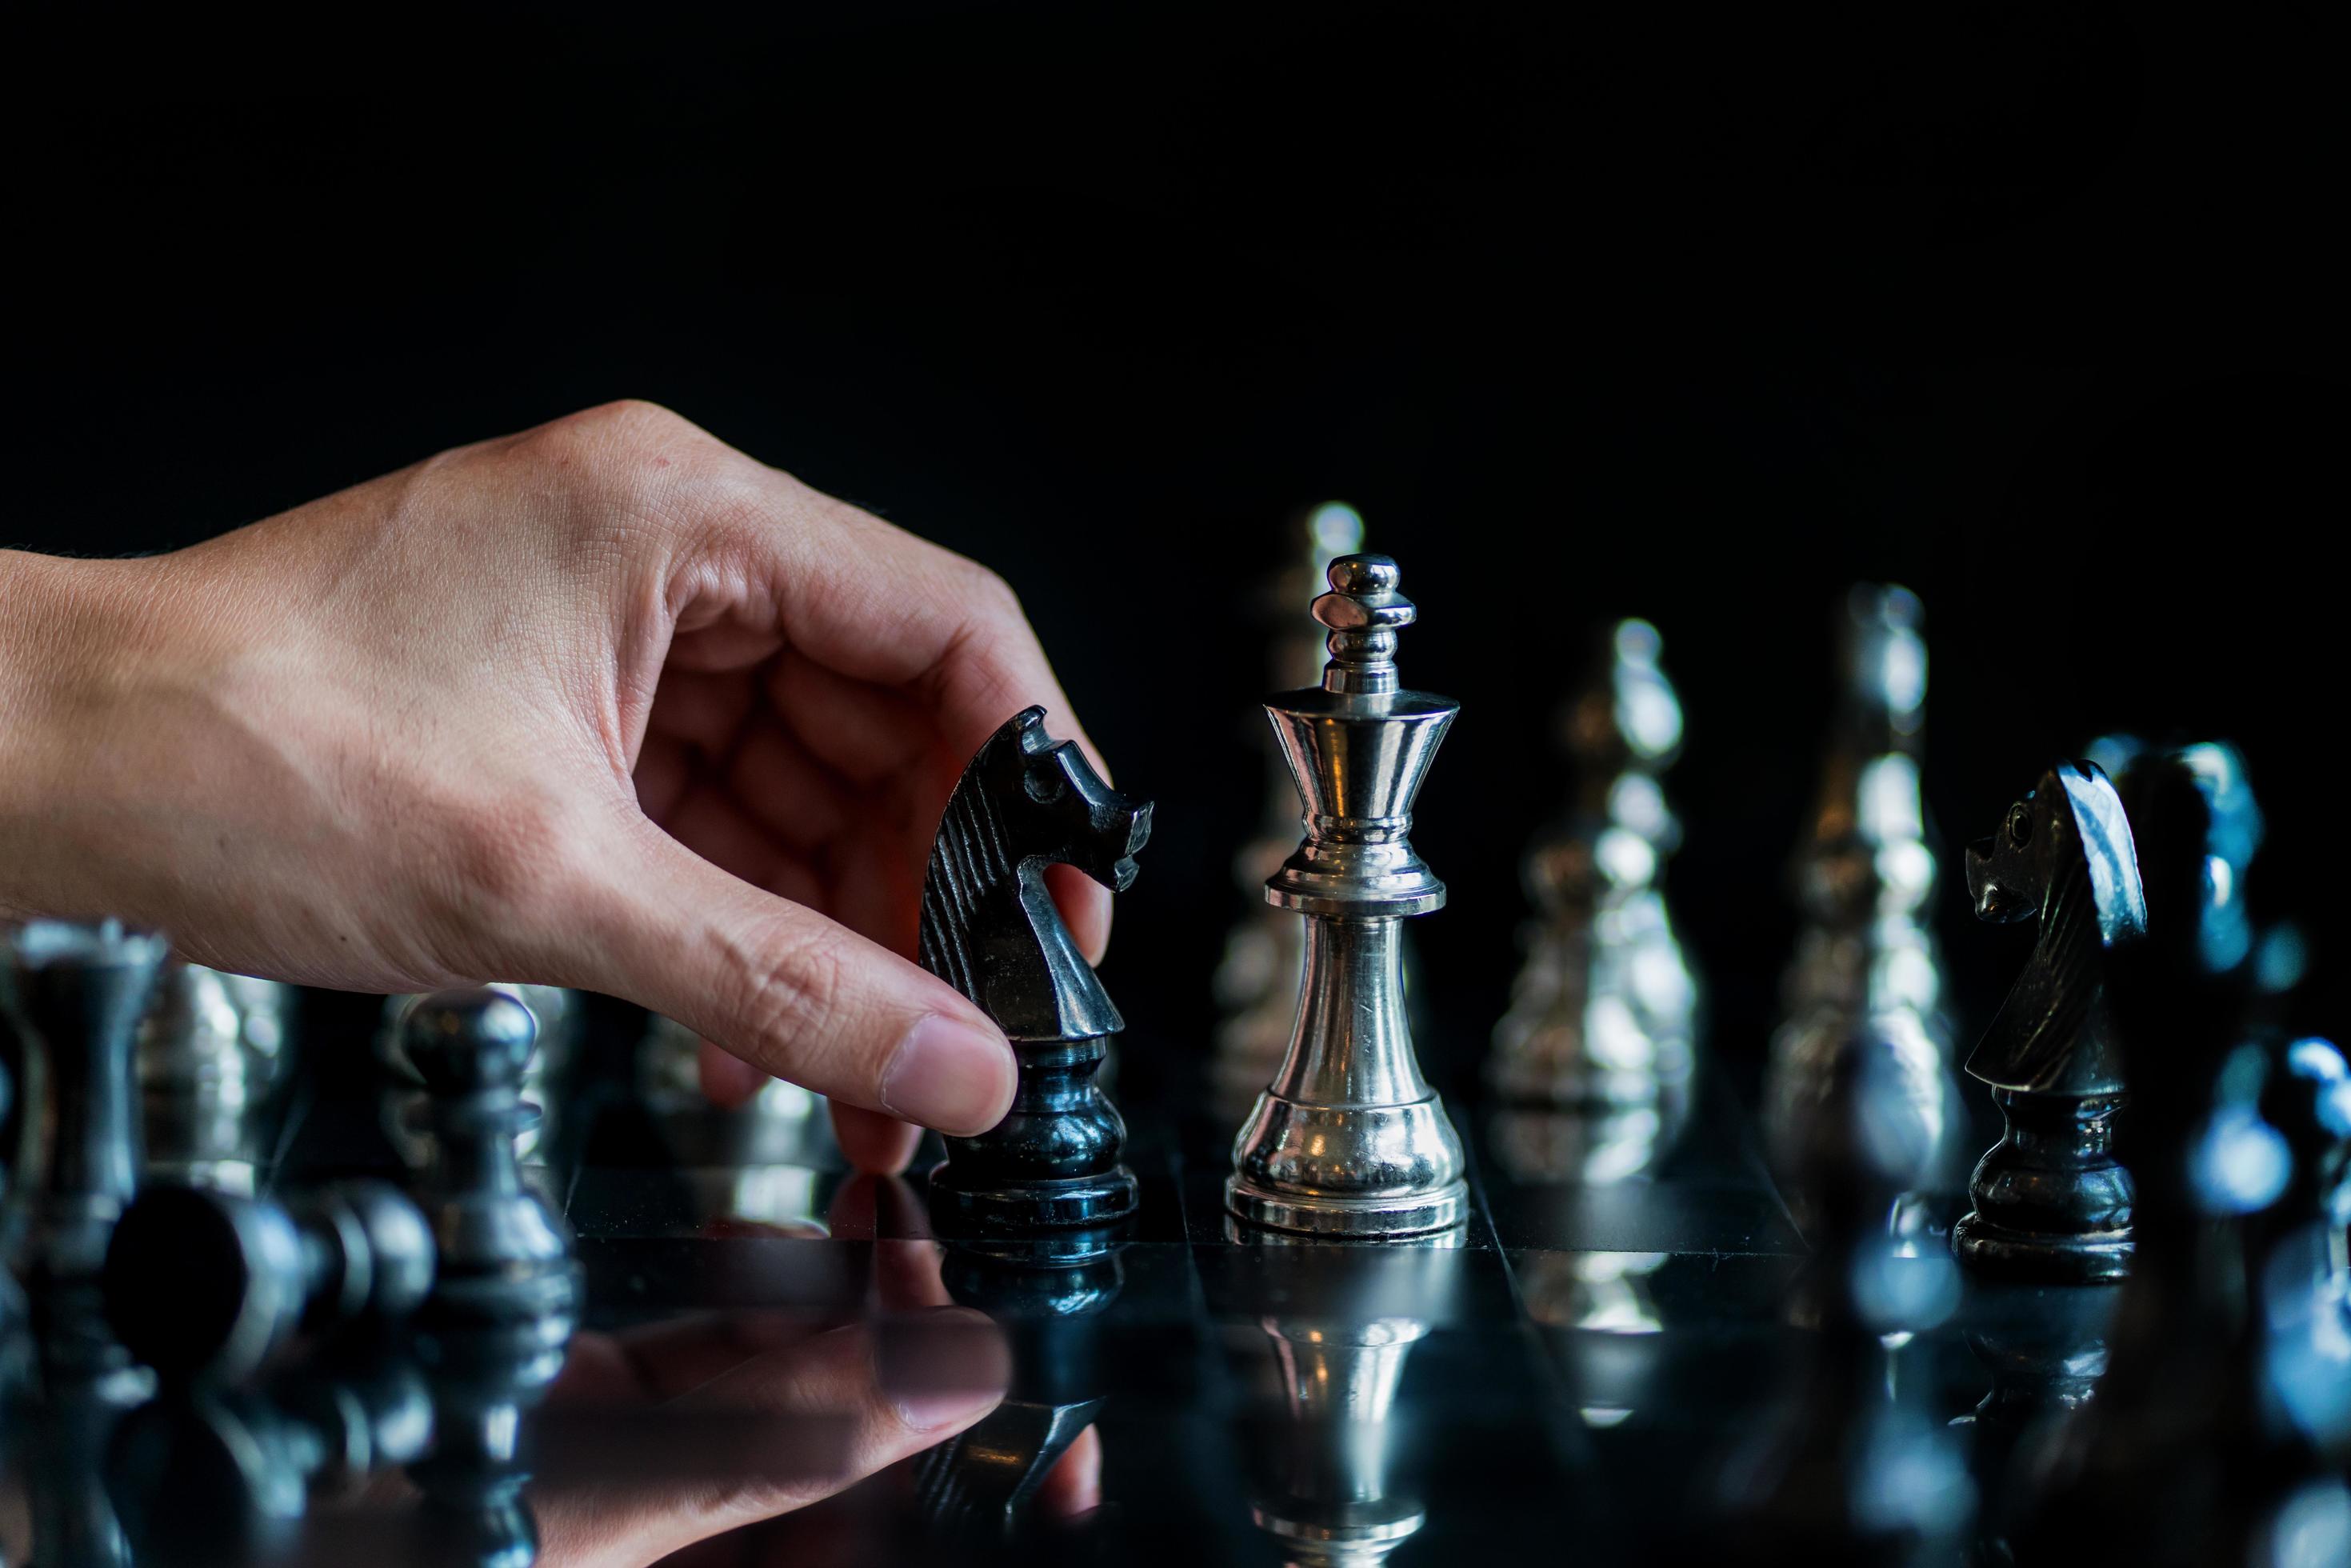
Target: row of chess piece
188, 1363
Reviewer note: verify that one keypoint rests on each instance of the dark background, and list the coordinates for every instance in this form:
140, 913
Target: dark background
2035, 309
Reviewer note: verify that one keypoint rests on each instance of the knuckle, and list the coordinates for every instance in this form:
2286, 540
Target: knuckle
793, 988
993, 600
625, 451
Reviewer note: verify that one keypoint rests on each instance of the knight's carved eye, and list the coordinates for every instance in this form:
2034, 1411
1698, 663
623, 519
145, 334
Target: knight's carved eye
2019, 826
1045, 788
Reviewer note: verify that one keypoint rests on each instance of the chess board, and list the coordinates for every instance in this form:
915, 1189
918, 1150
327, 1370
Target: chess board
1580, 1365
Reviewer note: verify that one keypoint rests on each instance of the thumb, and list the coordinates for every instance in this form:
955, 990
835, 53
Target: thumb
795, 994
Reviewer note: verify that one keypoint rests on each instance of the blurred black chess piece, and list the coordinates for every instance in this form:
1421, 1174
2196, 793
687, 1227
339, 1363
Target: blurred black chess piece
1864, 880
1331, 1480
1851, 1469
2192, 1452
1603, 1013
557, 1016
507, 1296
211, 1285
214, 1053
2051, 1202
1048, 1298
206, 1475
77, 993
989, 928
1349, 1139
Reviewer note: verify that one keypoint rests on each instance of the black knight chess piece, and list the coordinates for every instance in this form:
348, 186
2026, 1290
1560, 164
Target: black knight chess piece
2193, 1451
2051, 1202
991, 930
213, 1285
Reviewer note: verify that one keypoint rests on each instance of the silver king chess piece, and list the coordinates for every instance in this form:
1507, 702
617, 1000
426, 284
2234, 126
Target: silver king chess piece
1864, 879
1349, 1140
1604, 1014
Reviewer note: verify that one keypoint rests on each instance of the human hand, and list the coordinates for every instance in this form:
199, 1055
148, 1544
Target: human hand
606, 704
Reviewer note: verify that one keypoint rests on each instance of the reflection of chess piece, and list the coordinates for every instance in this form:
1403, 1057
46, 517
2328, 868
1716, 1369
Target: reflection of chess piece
557, 1014
1341, 1324
65, 1443
989, 928
485, 1380
213, 1050
1850, 1467
1864, 880
1349, 1139
1256, 981
226, 1475
1604, 1012
2051, 1202
1048, 1299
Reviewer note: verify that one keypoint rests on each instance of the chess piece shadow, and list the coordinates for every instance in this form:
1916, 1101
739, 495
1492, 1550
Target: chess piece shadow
989, 928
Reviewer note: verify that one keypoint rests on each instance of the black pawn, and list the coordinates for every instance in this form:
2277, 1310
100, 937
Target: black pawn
505, 1256
989, 929
211, 1284
78, 994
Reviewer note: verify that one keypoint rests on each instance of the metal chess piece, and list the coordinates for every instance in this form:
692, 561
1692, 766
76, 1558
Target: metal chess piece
77, 992
213, 1050
1603, 1013
1349, 1139
1864, 879
1257, 979
2052, 1202
781, 1125
556, 1013
989, 929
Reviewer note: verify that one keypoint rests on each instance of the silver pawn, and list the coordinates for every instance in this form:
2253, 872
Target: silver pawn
1349, 1140
1604, 1014
1866, 956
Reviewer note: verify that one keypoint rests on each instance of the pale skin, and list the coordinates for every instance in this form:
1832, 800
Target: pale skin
606, 704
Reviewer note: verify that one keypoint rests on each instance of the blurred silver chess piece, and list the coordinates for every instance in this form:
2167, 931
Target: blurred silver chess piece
213, 1048
1864, 878
776, 1144
1603, 1015
545, 1083
1349, 1139
1257, 980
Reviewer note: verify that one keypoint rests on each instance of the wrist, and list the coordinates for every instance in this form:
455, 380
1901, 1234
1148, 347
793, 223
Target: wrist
63, 653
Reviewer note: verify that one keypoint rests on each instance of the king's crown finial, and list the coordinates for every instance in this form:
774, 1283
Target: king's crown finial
1362, 611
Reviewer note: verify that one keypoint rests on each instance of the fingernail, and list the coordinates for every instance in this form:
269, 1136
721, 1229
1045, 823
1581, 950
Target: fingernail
940, 1366
950, 1076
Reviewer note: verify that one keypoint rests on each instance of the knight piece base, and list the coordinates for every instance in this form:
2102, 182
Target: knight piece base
1015, 1209
2040, 1258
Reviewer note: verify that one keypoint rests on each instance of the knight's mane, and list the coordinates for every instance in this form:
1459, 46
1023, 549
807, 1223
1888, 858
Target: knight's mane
2064, 967
969, 859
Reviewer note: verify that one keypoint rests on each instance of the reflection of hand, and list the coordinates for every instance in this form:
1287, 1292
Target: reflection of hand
605, 704
887, 1390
